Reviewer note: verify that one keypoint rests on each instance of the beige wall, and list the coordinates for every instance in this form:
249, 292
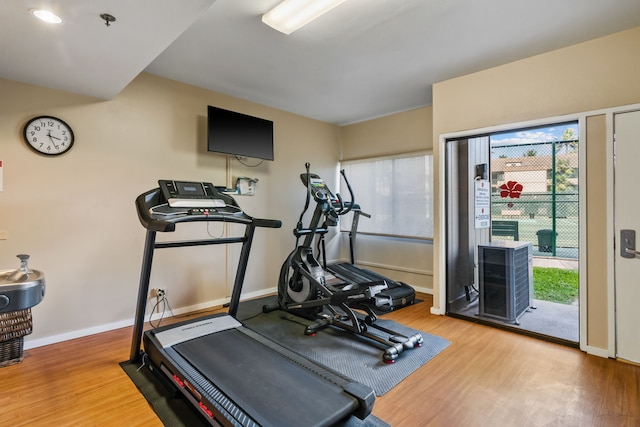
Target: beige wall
409, 261
397, 133
75, 215
598, 74
597, 333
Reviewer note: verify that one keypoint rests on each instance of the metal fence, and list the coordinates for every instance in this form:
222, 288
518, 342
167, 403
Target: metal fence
535, 196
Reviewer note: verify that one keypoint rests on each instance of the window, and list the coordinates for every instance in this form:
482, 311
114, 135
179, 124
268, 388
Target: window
396, 191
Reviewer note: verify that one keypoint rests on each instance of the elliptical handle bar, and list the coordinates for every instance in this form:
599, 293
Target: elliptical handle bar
306, 204
349, 206
340, 204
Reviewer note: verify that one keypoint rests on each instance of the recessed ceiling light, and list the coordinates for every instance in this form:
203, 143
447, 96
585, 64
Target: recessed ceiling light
46, 16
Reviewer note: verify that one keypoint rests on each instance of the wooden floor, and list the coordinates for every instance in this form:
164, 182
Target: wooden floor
486, 377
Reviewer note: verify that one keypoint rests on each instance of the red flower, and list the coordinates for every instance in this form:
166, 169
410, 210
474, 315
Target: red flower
511, 189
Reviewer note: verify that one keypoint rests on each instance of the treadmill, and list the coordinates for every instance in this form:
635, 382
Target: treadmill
232, 375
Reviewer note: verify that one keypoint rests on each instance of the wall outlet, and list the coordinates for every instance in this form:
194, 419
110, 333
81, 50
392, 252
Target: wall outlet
3, 235
157, 293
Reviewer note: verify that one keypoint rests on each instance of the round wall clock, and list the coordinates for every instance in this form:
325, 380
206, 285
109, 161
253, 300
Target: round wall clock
48, 135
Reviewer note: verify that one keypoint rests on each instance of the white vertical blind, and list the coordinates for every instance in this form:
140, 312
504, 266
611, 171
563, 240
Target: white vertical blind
396, 191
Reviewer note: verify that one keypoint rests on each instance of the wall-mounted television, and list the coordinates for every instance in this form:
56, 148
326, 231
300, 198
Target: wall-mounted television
237, 134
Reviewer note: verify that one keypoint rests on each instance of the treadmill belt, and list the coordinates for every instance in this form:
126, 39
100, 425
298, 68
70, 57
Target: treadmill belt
351, 273
270, 388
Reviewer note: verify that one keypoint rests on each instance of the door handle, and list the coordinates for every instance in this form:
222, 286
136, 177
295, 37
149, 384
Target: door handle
628, 244
632, 252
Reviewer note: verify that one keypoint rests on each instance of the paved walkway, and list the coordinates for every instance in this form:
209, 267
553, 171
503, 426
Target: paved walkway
566, 263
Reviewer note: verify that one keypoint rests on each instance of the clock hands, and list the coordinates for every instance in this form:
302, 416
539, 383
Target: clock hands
51, 138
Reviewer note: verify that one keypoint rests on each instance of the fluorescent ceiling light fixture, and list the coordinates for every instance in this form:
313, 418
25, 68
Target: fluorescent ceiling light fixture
46, 16
290, 15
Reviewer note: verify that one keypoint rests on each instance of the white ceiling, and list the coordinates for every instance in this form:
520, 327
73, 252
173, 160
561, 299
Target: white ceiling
363, 59
82, 55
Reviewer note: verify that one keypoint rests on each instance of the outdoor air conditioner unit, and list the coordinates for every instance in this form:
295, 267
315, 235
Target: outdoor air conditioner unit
506, 279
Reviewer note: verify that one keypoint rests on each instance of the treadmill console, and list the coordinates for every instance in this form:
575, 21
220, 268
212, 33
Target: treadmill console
188, 194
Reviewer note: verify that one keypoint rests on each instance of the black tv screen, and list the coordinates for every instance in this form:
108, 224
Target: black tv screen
238, 134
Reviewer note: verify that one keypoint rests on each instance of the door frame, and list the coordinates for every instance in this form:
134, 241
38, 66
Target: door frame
611, 296
442, 224
439, 306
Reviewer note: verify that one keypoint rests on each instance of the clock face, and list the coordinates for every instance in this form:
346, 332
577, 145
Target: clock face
48, 135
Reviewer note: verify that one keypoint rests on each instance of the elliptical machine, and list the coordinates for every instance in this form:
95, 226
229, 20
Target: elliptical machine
306, 289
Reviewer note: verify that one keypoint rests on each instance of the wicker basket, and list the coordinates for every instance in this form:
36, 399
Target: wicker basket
11, 351
13, 327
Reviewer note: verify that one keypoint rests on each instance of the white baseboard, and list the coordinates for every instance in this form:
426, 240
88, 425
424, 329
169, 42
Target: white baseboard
54, 339
423, 290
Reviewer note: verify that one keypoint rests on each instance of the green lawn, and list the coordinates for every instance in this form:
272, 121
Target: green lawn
555, 284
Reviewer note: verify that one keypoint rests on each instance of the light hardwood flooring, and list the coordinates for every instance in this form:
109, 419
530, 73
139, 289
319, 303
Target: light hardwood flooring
486, 377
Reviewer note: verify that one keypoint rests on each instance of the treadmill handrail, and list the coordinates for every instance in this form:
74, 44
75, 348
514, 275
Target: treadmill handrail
154, 224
